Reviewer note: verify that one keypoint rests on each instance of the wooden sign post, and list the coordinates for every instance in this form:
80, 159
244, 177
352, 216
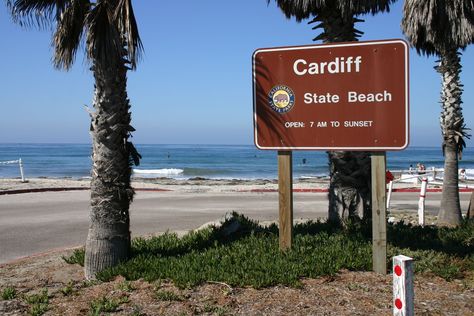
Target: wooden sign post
379, 209
285, 198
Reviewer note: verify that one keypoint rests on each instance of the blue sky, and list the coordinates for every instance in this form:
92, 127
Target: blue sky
194, 83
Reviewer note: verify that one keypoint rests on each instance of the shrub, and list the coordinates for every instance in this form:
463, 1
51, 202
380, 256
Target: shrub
105, 305
77, 257
68, 289
164, 295
39, 303
9, 293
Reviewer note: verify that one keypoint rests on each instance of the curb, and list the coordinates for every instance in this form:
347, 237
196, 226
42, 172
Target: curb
39, 190
433, 190
415, 190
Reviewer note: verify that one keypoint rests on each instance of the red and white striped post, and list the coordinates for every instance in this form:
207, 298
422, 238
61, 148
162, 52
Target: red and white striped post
421, 202
403, 296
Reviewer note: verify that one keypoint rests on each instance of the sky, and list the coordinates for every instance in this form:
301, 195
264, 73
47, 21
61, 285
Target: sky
194, 82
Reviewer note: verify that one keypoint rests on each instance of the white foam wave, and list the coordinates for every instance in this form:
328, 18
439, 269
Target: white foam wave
161, 172
316, 176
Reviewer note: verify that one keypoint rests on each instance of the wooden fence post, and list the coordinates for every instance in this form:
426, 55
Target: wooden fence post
403, 295
379, 209
285, 198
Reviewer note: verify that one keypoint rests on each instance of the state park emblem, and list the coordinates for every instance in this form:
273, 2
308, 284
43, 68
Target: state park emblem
281, 99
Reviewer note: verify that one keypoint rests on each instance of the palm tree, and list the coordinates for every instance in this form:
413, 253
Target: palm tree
112, 45
441, 28
350, 171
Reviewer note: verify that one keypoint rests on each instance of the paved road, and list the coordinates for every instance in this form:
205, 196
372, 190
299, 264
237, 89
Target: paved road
36, 222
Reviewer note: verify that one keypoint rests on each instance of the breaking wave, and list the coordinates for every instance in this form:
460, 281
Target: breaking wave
158, 172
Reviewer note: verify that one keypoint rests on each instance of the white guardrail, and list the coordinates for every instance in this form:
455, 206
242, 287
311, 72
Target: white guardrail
421, 202
418, 176
20, 164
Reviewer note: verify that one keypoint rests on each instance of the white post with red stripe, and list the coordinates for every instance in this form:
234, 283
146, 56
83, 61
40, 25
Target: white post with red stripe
403, 295
421, 202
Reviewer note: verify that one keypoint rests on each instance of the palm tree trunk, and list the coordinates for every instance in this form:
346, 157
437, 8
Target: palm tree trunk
450, 211
108, 239
350, 179
350, 186
470, 208
452, 124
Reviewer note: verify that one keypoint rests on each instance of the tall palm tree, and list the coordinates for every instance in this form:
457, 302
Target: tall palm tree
350, 171
442, 28
112, 45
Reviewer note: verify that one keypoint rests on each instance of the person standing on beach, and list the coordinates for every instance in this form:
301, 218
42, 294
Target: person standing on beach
422, 168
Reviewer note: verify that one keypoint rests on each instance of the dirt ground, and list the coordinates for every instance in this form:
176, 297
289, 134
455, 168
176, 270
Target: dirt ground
348, 293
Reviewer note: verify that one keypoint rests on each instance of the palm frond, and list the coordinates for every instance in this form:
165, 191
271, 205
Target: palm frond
127, 25
103, 37
40, 13
469, 10
303, 9
68, 35
433, 26
300, 9
367, 6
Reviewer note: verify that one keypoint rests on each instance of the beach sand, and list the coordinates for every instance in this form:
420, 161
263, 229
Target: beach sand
200, 185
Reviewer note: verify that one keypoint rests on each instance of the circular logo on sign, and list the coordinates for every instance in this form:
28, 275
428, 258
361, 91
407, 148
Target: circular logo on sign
281, 98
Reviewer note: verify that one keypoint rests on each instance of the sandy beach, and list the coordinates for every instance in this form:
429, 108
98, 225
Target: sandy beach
201, 185
195, 185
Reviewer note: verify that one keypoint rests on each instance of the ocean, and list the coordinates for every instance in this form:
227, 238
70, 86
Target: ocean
190, 161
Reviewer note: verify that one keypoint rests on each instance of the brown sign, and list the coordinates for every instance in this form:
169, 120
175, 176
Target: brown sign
347, 96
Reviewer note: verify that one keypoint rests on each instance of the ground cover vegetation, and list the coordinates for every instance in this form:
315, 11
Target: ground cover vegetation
250, 256
217, 271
